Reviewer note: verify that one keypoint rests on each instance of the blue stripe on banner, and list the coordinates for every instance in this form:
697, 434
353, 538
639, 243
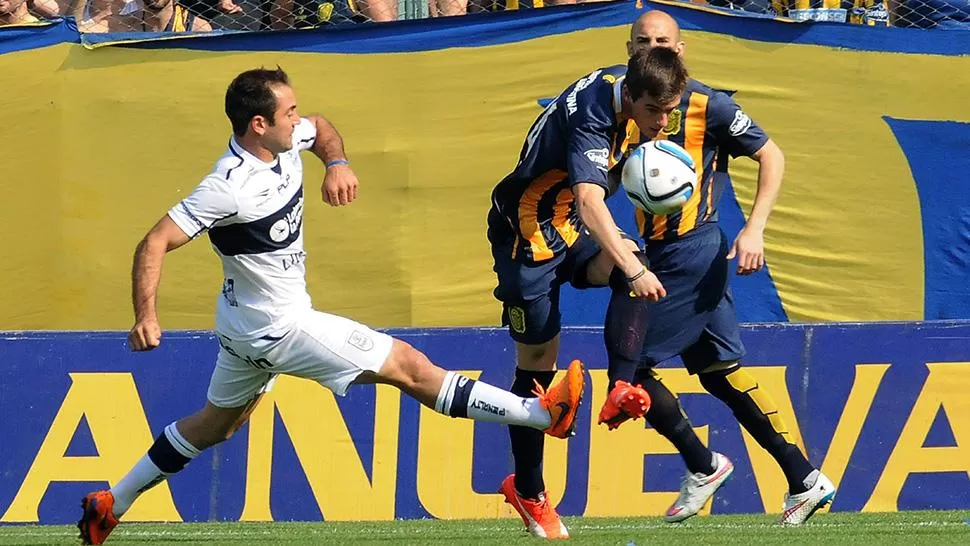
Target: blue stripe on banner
485, 29
941, 183
471, 30
33, 36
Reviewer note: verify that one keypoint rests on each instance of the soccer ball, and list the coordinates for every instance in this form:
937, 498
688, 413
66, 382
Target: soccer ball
659, 177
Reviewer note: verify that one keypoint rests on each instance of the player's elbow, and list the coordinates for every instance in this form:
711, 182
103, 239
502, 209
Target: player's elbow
152, 243
770, 154
587, 197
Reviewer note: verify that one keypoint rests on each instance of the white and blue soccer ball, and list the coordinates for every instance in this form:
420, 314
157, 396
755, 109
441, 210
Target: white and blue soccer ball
659, 177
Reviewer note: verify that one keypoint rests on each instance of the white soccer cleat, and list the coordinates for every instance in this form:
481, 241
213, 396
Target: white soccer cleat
798, 508
697, 489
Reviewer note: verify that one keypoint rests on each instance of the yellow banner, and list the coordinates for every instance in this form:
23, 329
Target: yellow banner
100, 143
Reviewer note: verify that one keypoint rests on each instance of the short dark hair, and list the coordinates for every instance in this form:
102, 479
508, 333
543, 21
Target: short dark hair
659, 73
251, 94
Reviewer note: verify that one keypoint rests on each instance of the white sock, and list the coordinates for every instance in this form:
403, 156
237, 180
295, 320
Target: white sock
173, 452
463, 397
141, 478
809, 481
495, 405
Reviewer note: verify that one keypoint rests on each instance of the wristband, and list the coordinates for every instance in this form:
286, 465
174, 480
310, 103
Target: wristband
336, 162
637, 276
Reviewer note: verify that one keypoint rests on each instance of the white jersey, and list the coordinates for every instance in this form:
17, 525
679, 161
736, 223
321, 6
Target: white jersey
253, 212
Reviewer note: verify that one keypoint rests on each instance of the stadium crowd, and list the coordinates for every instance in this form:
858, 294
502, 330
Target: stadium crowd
206, 15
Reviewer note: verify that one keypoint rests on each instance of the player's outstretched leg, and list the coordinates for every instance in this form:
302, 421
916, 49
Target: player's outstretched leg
553, 412
808, 489
623, 333
174, 448
449, 393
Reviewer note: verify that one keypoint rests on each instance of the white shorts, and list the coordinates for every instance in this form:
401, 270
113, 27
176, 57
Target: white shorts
328, 349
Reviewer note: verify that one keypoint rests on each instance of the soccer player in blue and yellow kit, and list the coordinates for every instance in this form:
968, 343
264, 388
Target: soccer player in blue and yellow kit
549, 225
689, 254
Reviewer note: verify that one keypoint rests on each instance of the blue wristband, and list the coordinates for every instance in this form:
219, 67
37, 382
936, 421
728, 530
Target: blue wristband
337, 162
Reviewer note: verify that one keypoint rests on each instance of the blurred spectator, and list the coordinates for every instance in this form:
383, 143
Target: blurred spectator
48, 9
939, 14
166, 16
860, 12
15, 12
230, 14
447, 8
375, 10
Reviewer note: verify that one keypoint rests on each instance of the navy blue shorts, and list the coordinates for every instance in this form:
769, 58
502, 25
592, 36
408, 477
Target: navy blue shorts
697, 319
529, 291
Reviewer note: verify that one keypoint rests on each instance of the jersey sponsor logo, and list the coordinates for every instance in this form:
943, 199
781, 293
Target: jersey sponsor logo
832, 15
877, 13
580, 85
290, 223
361, 341
599, 157
673, 123
274, 232
740, 124
482, 405
517, 319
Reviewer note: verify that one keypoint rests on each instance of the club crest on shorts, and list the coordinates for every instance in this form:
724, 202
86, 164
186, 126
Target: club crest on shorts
517, 319
361, 341
673, 123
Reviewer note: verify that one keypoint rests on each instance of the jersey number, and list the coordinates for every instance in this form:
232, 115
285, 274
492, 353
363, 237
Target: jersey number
533, 135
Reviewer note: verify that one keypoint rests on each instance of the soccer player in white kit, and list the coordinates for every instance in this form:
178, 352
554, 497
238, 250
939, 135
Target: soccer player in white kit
251, 206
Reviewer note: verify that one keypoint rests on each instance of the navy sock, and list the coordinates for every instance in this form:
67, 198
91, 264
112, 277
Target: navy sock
756, 412
528, 443
165, 456
667, 417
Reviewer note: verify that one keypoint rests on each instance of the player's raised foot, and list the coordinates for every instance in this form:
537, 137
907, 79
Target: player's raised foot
624, 402
97, 521
537, 514
798, 508
562, 401
697, 489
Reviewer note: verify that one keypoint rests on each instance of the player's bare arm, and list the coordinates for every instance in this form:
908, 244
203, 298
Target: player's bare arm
146, 272
592, 210
749, 247
340, 183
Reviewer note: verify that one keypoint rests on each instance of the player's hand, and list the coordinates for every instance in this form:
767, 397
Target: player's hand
749, 248
339, 186
145, 335
648, 286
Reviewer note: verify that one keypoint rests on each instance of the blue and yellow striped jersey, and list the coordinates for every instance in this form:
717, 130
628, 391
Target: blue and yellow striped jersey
712, 128
578, 138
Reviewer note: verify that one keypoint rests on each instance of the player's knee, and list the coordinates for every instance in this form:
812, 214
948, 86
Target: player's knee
540, 357
405, 367
209, 426
715, 379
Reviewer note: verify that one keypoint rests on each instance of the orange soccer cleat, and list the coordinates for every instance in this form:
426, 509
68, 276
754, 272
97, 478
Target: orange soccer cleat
624, 402
537, 514
97, 521
562, 401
